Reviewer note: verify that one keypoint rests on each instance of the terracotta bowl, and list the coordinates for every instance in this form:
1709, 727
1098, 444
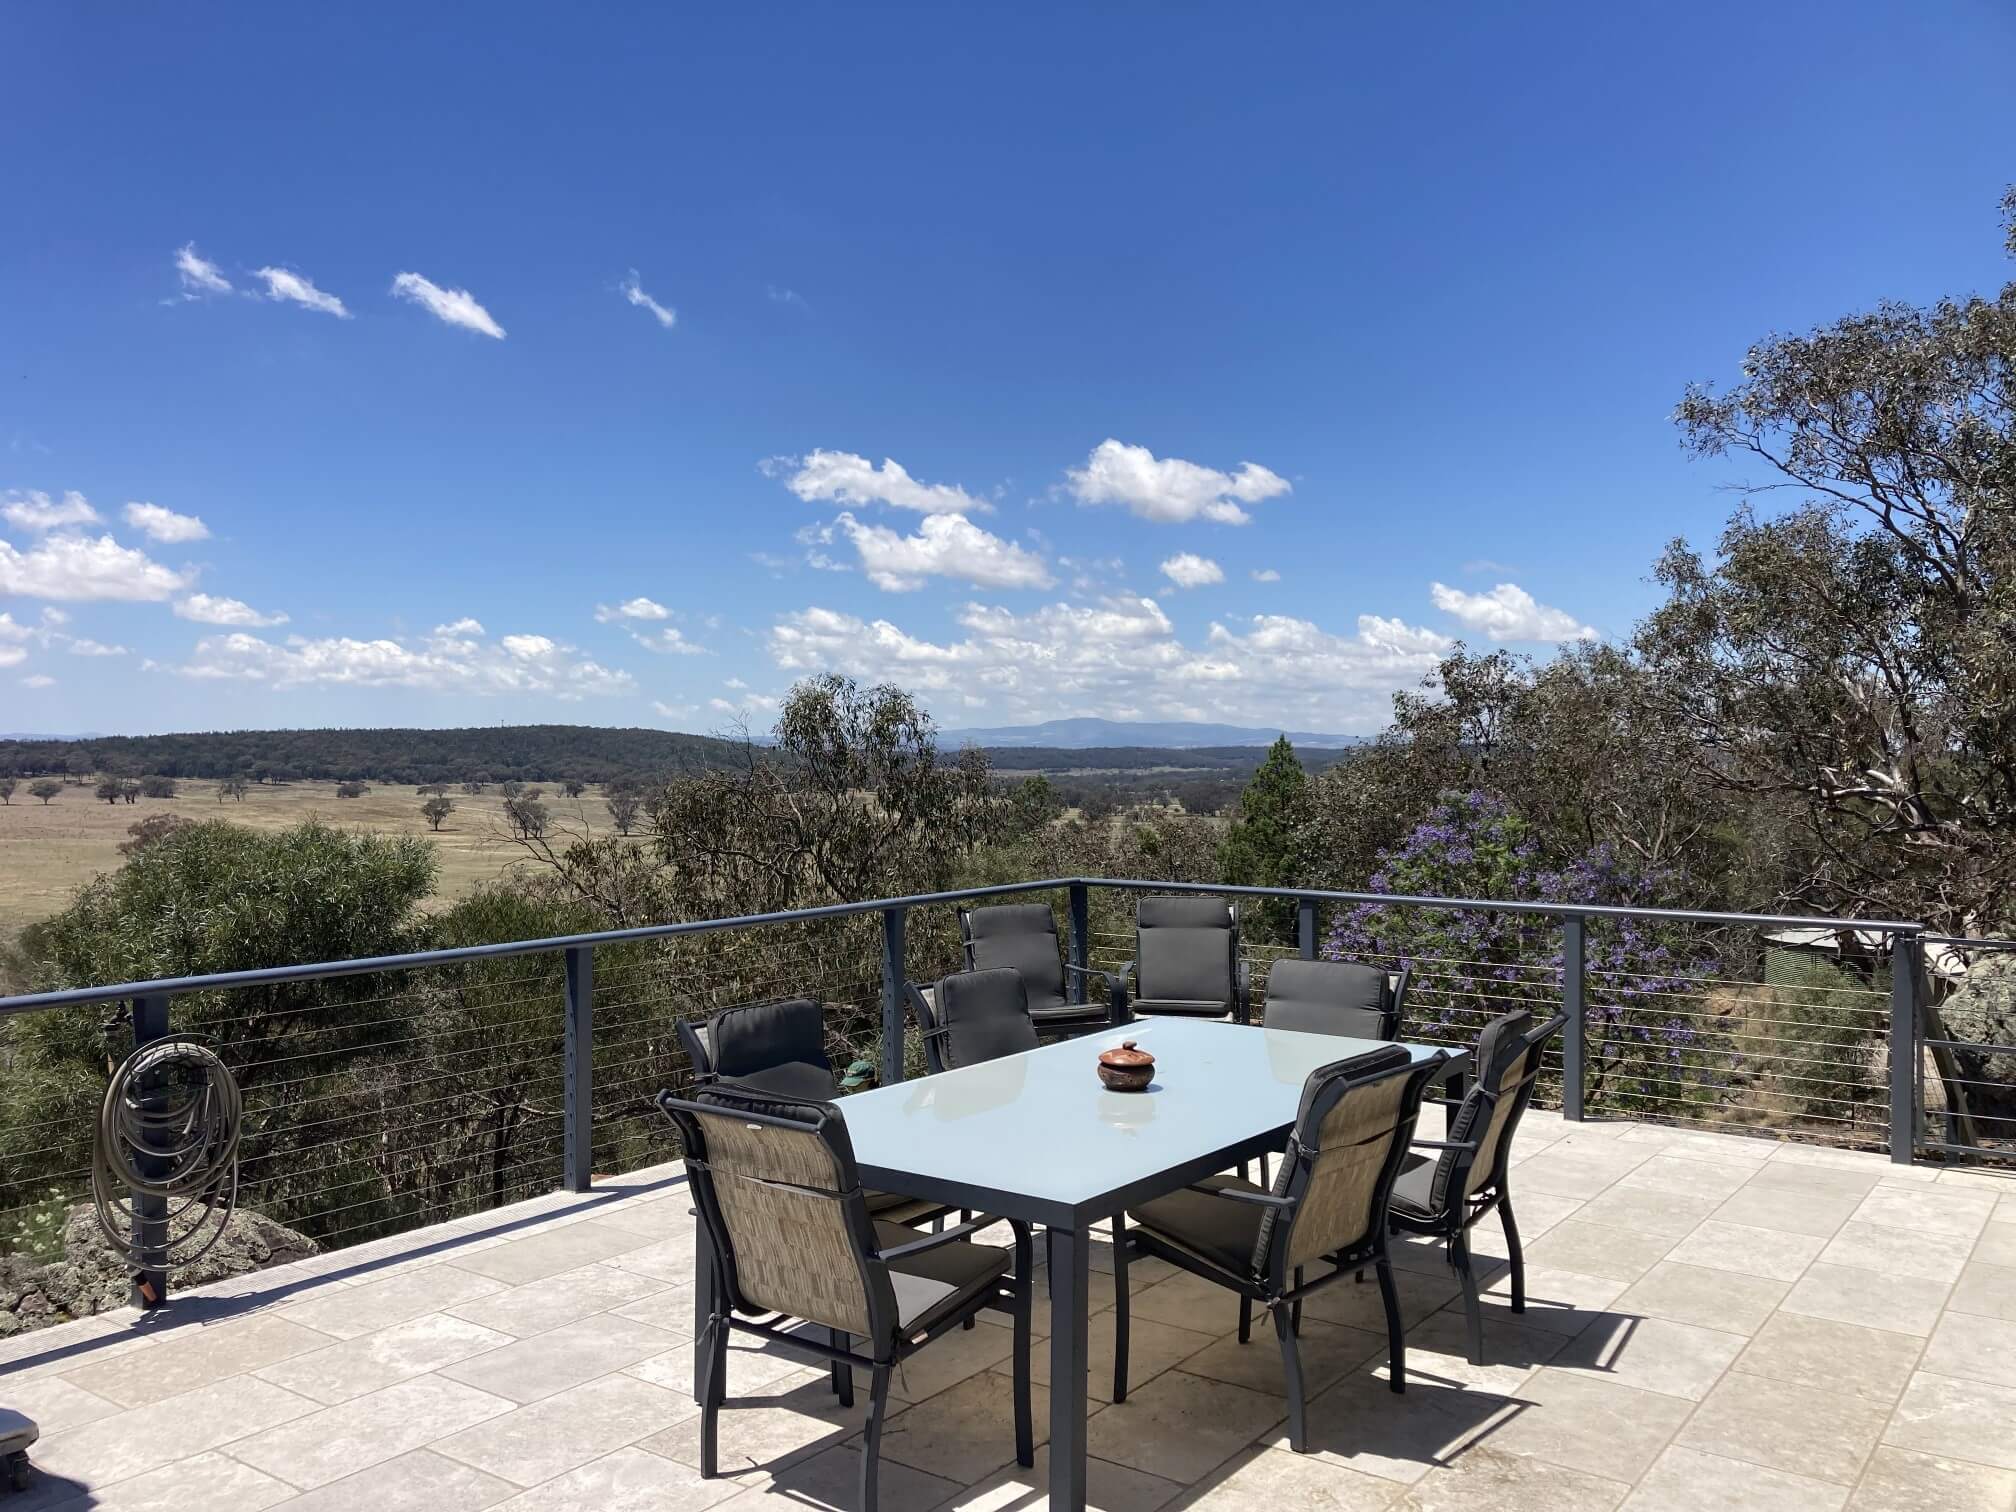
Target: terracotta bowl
1126, 1069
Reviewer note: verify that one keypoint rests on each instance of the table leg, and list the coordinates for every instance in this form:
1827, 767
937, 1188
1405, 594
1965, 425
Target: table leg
703, 1299
1069, 1284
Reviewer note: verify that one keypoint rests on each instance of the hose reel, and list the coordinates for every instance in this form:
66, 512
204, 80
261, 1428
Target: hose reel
165, 1156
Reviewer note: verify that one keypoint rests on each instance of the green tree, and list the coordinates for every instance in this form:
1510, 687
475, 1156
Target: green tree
1259, 850
7, 786
46, 789
434, 810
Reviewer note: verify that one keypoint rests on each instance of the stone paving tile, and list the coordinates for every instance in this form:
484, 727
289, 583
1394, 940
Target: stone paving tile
1896, 1252
327, 1445
418, 1481
1847, 1294
1726, 1300
1818, 1181
1151, 1349
1268, 1480
1484, 1479
1564, 1302
1438, 1351
670, 1309
557, 1250
56, 1404
371, 1362
1688, 1178
1652, 1354
1955, 1212
1183, 1426
1831, 1356
1686, 1480
1591, 1425
632, 1480
145, 1438
1968, 1420
965, 1434
349, 1311
196, 1357
1903, 1480
1752, 1251
751, 1370
562, 1357
1594, 1249
1789, 1210
1361, 1425
1973, 1349
1647, 1210
1996, 1246
213, 1482
556, 1300
559, 1433
1825, 1435
1988, 1291
792, 1417
1108, 1488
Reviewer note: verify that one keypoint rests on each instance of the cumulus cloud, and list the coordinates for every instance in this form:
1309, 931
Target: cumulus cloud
843, 478
633, 291
211, 609
1188, 570
12, 656
438, 663
79, 567
946, 545
288, 287
81, 647
164, 524
639, 608
668, 641
38, 680
457, 307
1121, 658
36, 511
1170, 490
463, 626
1508, 613
1264, 575
200, 277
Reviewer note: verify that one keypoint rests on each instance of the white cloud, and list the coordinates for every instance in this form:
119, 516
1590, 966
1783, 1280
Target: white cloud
463, 626
438, 663
634, 292
38, 680
164, 524
1264, 575
289, 287
9, 631
946, 545
36, 511
78, 567
786, 296
639, 608
667, 642
457, 307
1508, 613
210, 609
843, 478
94, 648
674, 710
1188, 570
1168, 489
12, 656
1121, 658
200, 277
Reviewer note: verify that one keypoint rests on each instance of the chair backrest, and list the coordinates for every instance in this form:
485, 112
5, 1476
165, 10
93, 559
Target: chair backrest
1506, 1064
776, 1047
1351, 1135
975, 1016
1021, 937
776, 1184
1332, 997
1186, 948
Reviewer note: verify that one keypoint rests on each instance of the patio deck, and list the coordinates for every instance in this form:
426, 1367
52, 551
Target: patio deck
1715, 1321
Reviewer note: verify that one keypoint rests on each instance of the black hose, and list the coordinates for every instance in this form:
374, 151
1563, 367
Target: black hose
168, 1130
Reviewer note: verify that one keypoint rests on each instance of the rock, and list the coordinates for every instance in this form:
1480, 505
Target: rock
1983, 1012
93, 1277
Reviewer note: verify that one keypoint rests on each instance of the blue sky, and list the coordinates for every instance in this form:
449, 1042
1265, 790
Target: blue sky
1205, 342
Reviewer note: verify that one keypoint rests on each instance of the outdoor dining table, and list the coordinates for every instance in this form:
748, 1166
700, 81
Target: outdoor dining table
1035, 1136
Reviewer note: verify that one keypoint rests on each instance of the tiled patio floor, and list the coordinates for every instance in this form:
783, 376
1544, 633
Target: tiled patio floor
1717, 1322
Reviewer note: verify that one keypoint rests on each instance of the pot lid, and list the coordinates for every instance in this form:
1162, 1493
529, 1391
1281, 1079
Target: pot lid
1126, 1055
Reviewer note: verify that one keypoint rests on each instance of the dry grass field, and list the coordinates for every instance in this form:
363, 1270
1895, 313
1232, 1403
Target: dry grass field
47, 852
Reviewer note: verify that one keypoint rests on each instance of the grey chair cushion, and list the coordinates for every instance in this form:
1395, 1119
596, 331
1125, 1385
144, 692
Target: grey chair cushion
1186, 964
1329, 997
982, 1016
1179, 1007
1414, 1187
1216, 1231
1023, 937
1183, 912
931, 1286
779, 1048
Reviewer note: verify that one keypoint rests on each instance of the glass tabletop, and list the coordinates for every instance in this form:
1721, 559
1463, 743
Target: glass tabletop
1040, 1126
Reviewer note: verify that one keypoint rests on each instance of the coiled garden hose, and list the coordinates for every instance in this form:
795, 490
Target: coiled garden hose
168, 1131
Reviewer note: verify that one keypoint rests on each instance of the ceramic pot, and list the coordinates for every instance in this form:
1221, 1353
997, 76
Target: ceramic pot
1127, 1069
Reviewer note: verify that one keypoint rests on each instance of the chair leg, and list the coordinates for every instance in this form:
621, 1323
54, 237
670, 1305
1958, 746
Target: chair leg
842, 1372
1245, 1320
1396, 1336
1123, 1320
1291, 1369
1473, 1306
1025, 1294
1517, 1251
871, 1438
1295, 1308
713, 1388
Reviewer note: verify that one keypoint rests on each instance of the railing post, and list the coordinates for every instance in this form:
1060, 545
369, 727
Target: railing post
1081, 929
1904, 1051
893, 920
150, 1214
578, 1131
1574, 1033
1305, 927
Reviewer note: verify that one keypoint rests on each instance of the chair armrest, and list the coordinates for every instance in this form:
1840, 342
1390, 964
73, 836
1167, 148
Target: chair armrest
1441, 1144
1114, 980
1242, 992
932, 1241
1258, 1199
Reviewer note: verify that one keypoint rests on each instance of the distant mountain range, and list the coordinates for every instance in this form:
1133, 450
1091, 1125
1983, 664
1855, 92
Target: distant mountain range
1088, 734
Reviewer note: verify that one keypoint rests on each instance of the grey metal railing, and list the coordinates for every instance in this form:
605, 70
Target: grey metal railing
1466, 995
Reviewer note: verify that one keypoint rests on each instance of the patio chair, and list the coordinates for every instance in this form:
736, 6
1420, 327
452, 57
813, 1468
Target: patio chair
1328, 1205
780, 1048
1445, 1194
1186, 959
1023, 937
973, 1016
1335, 997
792, 1238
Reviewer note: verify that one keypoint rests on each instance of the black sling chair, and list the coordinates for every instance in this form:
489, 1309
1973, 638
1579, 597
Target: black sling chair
1445, 1195
777, 1188
1328, 1204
